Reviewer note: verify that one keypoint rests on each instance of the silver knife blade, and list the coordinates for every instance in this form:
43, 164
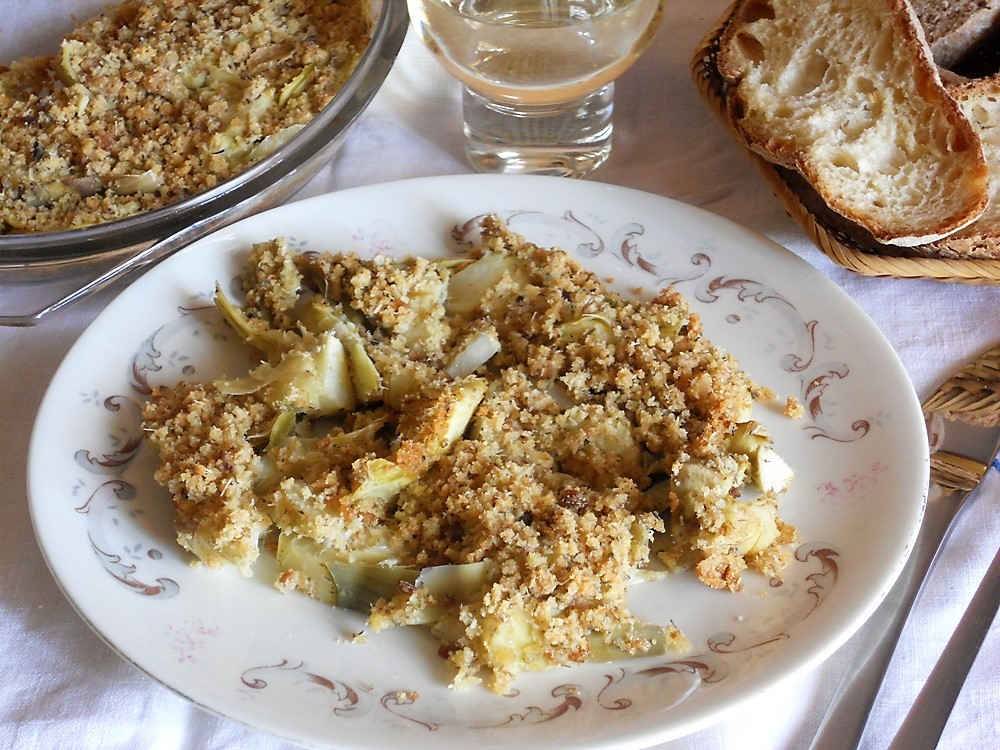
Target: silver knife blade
926, 720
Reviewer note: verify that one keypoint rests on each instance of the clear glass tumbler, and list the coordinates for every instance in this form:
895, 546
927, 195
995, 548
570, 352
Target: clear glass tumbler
538, 74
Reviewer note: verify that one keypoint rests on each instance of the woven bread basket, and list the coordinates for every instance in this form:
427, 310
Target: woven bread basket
844, 242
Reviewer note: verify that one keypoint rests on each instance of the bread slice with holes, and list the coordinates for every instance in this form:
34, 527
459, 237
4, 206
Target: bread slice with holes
846, 92
953, 27
980, 101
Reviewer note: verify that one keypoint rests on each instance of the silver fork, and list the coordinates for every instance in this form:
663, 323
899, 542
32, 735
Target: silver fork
970, 399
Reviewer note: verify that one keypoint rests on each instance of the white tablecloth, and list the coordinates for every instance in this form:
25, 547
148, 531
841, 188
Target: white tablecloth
60, 687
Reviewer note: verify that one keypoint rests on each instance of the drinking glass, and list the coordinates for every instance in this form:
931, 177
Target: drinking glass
538, 75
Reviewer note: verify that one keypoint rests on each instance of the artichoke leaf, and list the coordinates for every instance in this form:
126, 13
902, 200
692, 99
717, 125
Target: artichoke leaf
319, 316
296, 85
255, 332
603, 646
314, 381
308, 559
475, 353
770, 472
748, 438
598, 325
460, 582
359, 585
468, 287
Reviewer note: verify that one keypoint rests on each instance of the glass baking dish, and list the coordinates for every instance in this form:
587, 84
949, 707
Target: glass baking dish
117, 248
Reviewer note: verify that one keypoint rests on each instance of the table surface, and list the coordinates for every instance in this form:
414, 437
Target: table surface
63, 687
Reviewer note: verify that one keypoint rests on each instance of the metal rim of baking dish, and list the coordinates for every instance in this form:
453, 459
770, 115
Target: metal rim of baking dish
105, 242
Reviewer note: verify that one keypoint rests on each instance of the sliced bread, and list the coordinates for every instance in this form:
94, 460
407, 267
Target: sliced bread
953, 27
846, 92
980, 100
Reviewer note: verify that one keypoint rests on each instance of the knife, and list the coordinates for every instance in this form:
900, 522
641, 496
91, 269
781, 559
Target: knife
971, 399
929, 714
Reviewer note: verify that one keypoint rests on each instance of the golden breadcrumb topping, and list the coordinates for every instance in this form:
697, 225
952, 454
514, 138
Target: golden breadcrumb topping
152, 102
500, 447
793, 408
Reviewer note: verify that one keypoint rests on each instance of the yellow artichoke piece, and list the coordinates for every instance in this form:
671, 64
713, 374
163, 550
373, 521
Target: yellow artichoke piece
383, 480
462, 583
319, 316
753, 526
698, 483
770, 472
475, 353
514, 642
428, 431
131, 184
296, 85
748, 438
468, 287
256, 333
309, 560
68, 68
359, 585
603, 648
281, 428
273, 142
315, 381
598, 326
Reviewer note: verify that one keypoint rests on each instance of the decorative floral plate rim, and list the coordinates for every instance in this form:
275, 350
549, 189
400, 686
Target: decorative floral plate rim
805, 333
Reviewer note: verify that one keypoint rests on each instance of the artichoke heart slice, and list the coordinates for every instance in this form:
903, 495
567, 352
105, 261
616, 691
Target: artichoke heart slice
318, 317
514, 642
428, 431
462, 582
699, 483
255, 332
647, 640
770, 472
273, 142
281, 428
311, 561
752, 526
476, 352
68, 68
296, 85
315, 381
748, 438
359, 585
598, 326
131, 184
468, 287
381, 479
308, 559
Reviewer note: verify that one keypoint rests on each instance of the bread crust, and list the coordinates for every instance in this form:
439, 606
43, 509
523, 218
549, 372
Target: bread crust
949, 45
980, 239
780, 151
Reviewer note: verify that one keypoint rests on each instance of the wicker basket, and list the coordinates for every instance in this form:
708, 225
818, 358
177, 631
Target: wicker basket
845, 243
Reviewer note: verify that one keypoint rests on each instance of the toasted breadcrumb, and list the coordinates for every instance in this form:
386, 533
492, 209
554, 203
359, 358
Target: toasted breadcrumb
794, 408
601, 427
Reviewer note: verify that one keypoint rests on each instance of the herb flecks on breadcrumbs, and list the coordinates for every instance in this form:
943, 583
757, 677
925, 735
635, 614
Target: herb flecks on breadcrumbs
529, 444
153, 102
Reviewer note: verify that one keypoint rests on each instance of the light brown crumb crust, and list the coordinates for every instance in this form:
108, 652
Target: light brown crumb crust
793, 408
567, 478
152, 102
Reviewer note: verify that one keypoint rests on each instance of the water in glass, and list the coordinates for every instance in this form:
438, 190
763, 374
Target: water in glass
538, 74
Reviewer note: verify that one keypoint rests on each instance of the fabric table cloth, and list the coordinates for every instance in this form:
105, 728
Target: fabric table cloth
61, 687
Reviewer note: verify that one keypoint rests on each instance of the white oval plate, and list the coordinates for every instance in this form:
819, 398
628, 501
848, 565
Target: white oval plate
278, 662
